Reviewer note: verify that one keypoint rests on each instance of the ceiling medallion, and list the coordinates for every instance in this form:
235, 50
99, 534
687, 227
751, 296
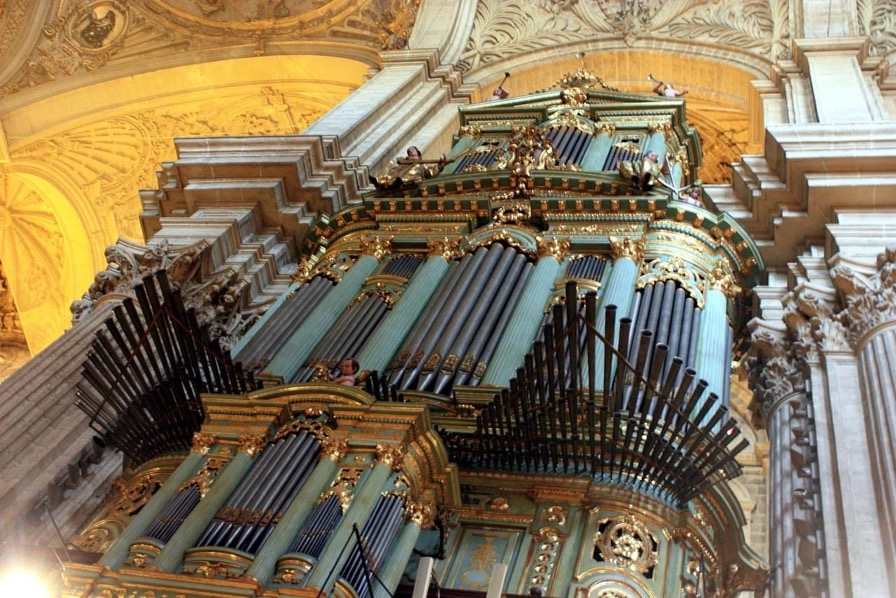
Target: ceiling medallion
98, 26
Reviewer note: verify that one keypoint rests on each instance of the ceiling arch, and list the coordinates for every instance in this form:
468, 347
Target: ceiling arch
79, 159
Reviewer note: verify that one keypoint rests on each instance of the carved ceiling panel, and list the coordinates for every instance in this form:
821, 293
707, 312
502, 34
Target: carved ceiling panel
13, 348
84, 38
505, 28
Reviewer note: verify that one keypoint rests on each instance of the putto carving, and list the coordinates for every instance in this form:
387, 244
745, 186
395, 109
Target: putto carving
553, 247
251, 444
627, 247
390, 455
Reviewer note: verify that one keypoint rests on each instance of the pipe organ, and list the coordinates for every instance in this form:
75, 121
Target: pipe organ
547, 346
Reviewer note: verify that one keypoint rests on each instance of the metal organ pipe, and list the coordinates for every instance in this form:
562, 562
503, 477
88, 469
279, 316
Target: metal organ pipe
420, 330
502, 279
445, 327
174, 513
267, 489
317, 527
277, 329
483, 346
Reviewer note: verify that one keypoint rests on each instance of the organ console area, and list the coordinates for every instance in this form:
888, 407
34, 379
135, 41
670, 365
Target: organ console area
547, 350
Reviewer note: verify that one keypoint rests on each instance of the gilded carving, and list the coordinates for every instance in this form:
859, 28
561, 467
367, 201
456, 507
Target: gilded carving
212, 570
202, 442
251, 444
378, 247
673, 268
554, 247
390, 455
205, 477
334, 448
629, 247
421, 513
720, 279
517, 213
555, 514
627, 542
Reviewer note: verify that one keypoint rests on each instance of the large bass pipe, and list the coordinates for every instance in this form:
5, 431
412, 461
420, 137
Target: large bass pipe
456, 307
487, 337
675, 326
470, 323
355, 566
410, 346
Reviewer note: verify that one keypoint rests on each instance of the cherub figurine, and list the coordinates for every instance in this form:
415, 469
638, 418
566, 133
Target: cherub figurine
411, 169
644, 172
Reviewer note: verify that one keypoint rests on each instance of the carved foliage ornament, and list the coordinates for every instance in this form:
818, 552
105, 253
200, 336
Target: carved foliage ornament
378, 247
870, 300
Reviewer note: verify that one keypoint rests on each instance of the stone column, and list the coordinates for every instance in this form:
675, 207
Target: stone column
387, 338
295, 351
871, 315
794, 524
118, 552
325, 572
618, 290
189, 531
419, 515
265, 563
524, 321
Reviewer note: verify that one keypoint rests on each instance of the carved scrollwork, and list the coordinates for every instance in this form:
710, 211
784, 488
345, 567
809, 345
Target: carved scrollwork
334, 448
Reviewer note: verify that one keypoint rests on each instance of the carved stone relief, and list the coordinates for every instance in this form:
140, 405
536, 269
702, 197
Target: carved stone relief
505, 28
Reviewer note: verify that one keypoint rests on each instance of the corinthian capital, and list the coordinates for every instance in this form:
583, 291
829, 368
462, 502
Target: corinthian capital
870, 300
554, 247
446, 247
390, 455
378, 247
627, 247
